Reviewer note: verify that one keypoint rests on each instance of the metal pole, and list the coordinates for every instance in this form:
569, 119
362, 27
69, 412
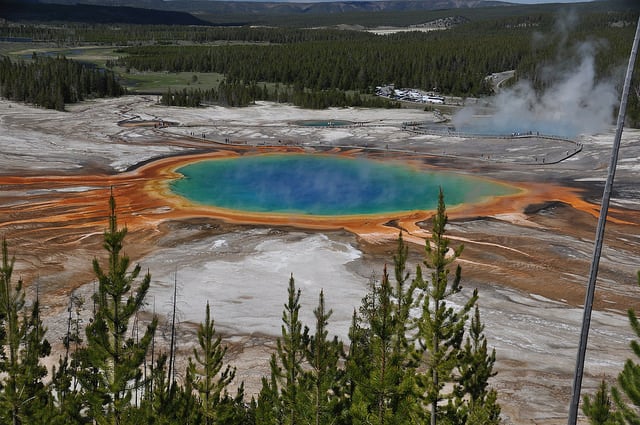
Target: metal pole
602, 219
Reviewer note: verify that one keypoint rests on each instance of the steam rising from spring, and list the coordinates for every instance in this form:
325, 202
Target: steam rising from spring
574, 101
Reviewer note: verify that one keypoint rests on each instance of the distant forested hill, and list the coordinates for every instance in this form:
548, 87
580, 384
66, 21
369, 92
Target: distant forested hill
21, 11
208, 12
196, 12
287, 7
368, 13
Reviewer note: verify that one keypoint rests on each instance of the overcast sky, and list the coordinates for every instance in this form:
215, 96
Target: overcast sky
546, 1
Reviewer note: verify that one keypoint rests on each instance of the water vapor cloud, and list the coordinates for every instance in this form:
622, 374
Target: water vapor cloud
573, 101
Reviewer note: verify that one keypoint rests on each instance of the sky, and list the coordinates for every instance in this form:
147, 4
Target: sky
546, 1
507, 1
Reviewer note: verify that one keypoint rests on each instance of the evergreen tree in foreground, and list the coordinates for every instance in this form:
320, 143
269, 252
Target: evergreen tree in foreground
623, 407
280, 401
407, 362
441, 329
23, 396
475, 369
628, 406
323, 380
380, 364
111, 362
599, 410
64, 382
208, 375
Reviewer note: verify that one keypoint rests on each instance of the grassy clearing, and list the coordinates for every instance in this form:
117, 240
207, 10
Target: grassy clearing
136, 82
143, 82
159, 82
95, 55
17, 50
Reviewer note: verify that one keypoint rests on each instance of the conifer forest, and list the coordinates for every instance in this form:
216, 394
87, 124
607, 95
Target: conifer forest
316, 68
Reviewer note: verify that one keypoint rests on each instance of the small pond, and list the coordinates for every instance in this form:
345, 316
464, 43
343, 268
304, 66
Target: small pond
323, 123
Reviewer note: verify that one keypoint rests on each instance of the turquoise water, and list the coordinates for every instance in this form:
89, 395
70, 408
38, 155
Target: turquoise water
324, 185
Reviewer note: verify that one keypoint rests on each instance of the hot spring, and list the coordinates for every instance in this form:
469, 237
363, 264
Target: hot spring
324, 185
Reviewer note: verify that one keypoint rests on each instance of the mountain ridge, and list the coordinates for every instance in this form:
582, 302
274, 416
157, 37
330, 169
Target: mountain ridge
253, 8
19, 11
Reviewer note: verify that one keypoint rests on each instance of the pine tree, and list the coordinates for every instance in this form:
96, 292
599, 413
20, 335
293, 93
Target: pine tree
162, 404
629, 379
323, 380
23, 396
404, 350
280, 399
268, 408
475, 369
600, 410
34, 394
290, 354
207, 373
357, 366
110, 364
166, 404
64, 382
381, 365
374, 391
440, 326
